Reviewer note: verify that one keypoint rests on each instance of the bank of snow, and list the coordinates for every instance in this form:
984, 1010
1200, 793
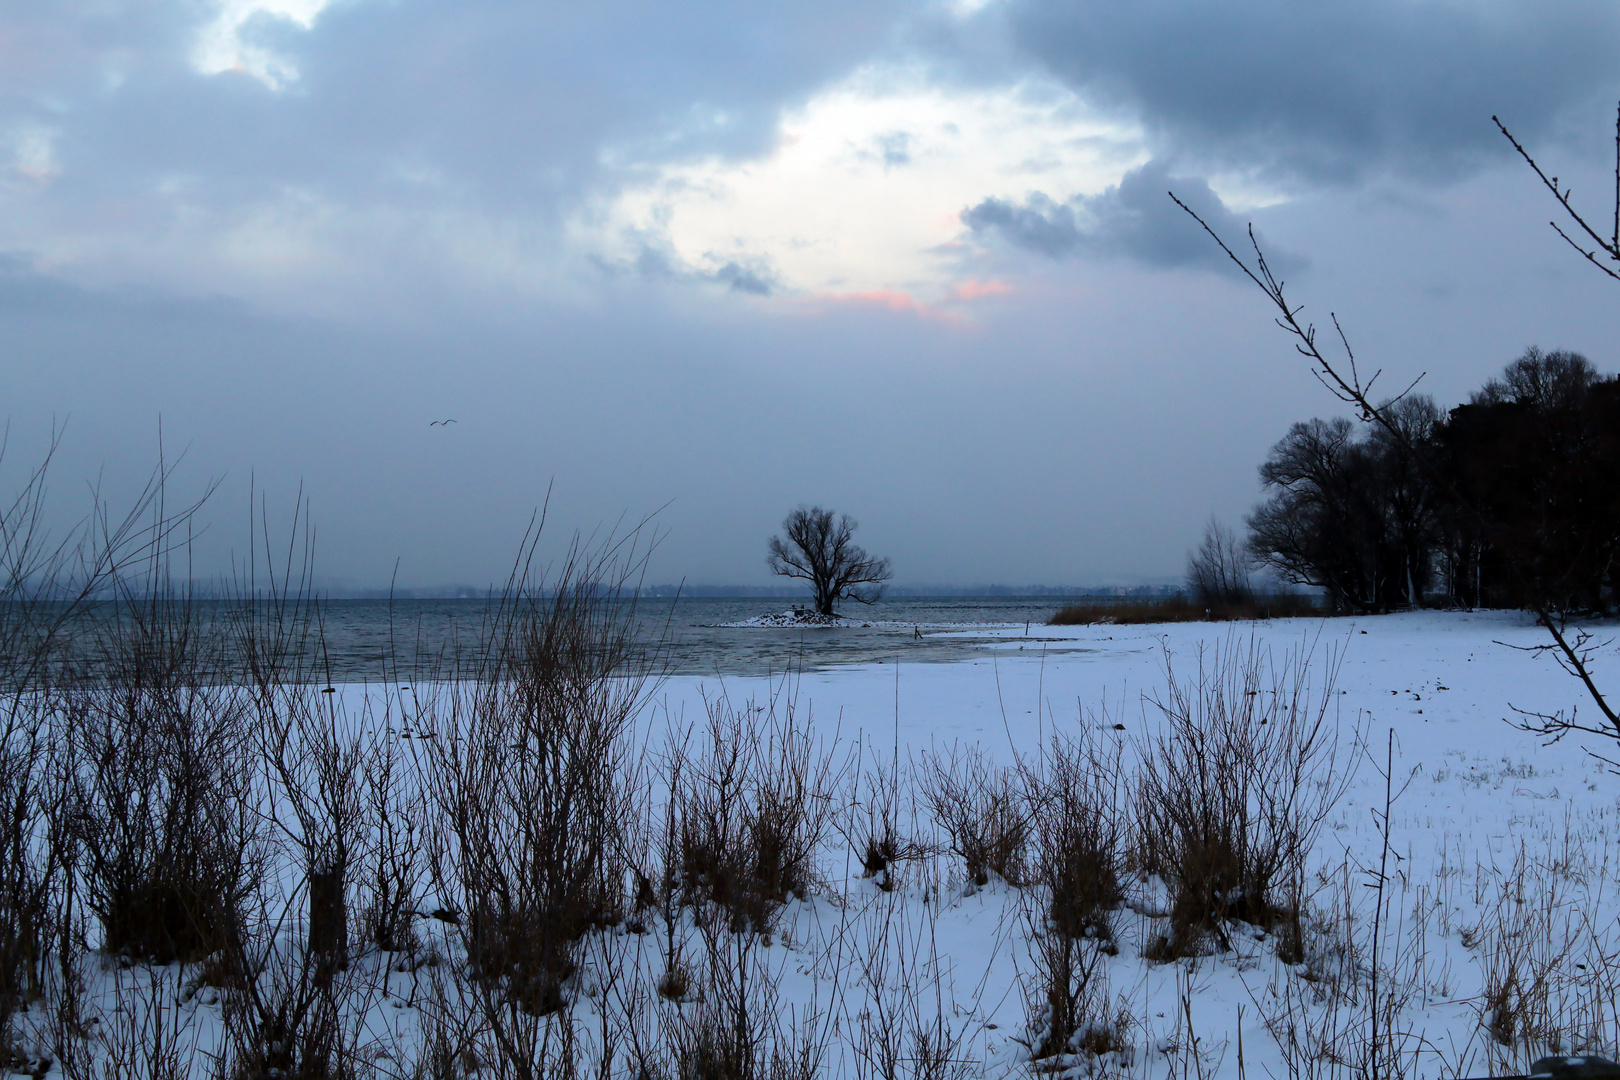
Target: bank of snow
1498, 904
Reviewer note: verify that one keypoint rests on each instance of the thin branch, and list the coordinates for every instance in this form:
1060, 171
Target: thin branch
1589, 256
1561, 194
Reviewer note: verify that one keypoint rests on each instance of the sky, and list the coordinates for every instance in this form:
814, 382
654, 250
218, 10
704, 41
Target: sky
697, 264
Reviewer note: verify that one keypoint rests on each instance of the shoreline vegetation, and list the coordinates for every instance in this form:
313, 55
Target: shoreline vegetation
1182, 608
548, 869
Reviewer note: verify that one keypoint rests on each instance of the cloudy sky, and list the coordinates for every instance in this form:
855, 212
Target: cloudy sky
912, 259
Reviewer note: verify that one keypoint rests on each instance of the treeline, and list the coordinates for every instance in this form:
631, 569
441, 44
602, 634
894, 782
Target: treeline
1509, 500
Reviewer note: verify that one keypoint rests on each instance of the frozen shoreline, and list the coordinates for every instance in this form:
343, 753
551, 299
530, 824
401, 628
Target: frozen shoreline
1487, 812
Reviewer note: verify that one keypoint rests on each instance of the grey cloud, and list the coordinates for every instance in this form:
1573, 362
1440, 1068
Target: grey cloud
497, 106
754, 280
1332, 89
1135, 219
657, 261
1040, 224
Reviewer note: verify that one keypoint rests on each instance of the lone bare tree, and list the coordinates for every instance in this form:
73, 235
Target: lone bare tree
819, 550
1218, 571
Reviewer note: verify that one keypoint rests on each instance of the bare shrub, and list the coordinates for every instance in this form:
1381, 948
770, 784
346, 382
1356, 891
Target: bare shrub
750, 810
907, 1023
31, 857
144, 1036
870, 825
1234, 789
317, 804
284, 1019
1077, 833
48, 579
165, 799
982, 812
736, 1028
440, 1053
392, 854
527, 771
314, 766
1072, 1015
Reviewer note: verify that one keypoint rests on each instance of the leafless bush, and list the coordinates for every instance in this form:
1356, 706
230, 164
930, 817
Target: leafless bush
528, 773
440, 1052
314, 767
1074, 810
317, 804
870, 824
47, 582
392, 855
32, 852
906, 1024
982, 812
749, 809
285, 1018
165, 800
144, 1036
1234, 789
736, 1028
1072, 1015
1073, 800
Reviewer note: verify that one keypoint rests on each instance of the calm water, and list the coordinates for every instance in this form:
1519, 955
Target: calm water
359, 634
373, 640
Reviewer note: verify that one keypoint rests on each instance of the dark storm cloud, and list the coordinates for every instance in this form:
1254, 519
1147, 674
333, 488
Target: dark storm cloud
1136, 218
1330, 90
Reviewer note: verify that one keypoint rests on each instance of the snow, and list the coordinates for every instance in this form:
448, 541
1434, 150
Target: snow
1501, 859
803, 618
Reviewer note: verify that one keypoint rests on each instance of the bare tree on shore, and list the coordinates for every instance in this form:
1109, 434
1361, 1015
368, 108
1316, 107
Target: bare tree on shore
820, 549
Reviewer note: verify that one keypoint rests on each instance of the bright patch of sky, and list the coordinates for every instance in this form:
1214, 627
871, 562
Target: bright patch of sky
221, 45
33, 152
862, 193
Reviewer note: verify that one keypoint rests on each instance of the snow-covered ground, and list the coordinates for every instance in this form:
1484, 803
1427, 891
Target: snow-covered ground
1498, 876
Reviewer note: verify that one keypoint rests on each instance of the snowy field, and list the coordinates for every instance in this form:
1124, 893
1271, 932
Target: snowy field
1493, 940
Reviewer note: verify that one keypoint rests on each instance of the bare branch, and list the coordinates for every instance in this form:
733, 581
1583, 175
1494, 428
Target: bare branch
1610, 246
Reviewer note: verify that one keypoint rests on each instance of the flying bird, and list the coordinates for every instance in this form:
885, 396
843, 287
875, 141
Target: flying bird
436, 423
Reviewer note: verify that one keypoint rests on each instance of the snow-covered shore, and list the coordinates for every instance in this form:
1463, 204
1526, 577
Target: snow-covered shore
1498, 875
